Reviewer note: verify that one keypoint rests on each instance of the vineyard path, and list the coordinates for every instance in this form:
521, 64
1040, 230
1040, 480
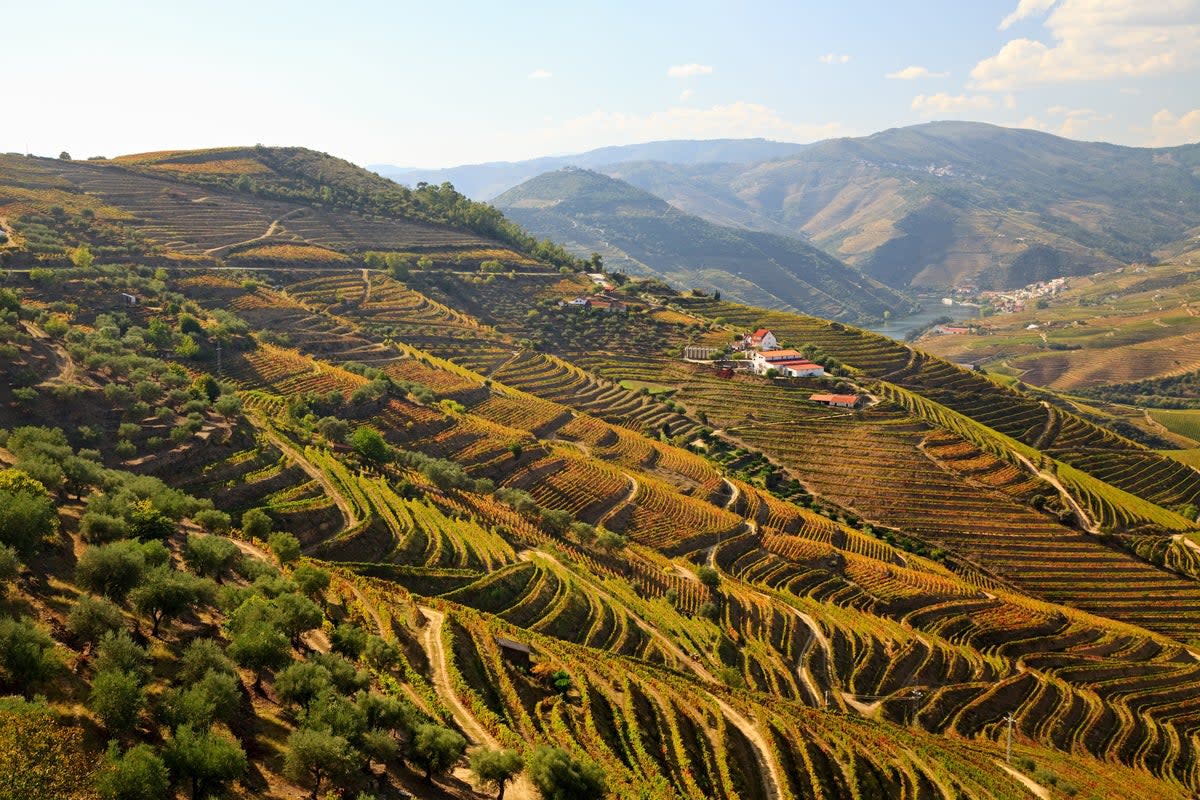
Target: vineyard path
1087, 522
431, 640
1036, 788
313, 472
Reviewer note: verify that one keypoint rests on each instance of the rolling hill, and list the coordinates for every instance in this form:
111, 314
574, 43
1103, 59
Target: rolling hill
345, 525
640, 234
485, 181
950, 202
930, 205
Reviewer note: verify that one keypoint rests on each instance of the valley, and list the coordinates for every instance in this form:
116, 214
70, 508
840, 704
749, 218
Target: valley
467, 511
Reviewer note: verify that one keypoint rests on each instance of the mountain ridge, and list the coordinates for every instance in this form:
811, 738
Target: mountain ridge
642, 234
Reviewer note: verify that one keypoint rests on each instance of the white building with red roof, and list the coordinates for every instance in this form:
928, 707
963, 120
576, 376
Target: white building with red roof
789, 363
762, 339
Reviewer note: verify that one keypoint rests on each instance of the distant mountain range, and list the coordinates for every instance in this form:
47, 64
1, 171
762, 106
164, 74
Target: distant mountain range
485, 181
642, 234
929, 205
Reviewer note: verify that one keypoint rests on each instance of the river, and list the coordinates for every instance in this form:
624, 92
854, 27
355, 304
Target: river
931, 308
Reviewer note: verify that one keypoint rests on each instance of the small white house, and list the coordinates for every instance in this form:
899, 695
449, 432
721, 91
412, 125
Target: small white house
763, 339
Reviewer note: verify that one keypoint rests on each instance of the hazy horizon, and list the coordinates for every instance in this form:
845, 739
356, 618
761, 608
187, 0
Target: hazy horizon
430, 87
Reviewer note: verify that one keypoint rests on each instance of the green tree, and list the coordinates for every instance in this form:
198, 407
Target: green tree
370, 444
213, 697
256, 524
310, 580
435, 749
260, 647
212, 520
201, 657
316, 755
297, 614
559, 776
206, 759
27, 514
137, 774
380, 653
709, 577
284, 546
496, 768
210, 556
111, 570
166, 593
27, 655
301, 682
117, 699
348, 639
147, 522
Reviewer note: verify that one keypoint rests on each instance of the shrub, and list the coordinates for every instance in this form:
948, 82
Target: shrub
111, 570
256, 524
10, 566
91, 618
284, 546
27, 656
98, 528
39, 757
559, 776
138, 774
117, 699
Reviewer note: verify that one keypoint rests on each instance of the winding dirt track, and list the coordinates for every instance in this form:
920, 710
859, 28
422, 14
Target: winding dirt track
339, 500
431, 640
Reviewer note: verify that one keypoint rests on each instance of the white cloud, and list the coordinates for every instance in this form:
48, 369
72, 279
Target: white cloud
1075, 121
688, 70
735, 120
944, 103
539, 75
1099, 39
1024, 9
1167, 130
914, 72
686, 94
834, 58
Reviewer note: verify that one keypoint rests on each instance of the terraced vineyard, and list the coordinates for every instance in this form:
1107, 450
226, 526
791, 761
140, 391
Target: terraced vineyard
721, 589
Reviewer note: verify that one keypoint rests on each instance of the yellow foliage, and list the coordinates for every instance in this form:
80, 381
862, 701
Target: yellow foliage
40, 757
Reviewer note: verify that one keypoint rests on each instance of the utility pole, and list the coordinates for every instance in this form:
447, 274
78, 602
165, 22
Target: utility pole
219, 371
1008, 752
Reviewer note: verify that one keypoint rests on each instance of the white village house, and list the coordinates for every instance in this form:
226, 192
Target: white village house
762, 339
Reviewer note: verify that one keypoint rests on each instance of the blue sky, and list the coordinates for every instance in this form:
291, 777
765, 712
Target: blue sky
442, 83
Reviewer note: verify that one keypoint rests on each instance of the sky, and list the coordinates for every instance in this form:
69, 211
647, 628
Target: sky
435, 84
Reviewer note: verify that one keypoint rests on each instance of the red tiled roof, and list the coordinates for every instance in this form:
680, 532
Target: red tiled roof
759, 334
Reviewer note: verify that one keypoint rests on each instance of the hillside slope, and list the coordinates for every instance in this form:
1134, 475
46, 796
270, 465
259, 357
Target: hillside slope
534, 524
951, 202
642, 235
